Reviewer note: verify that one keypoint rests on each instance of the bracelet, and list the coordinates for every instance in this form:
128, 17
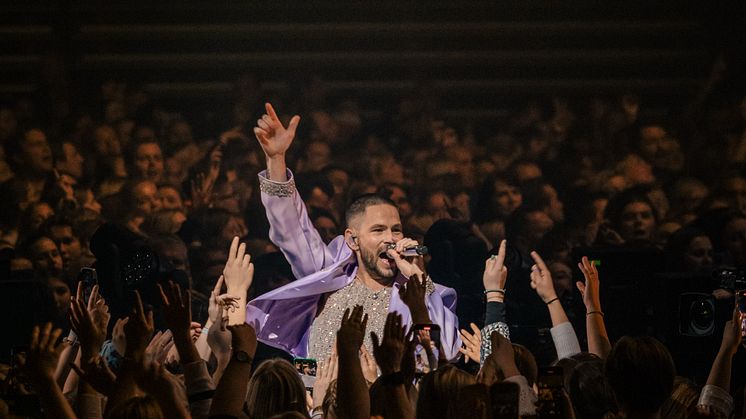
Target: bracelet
552, 300
498, 290
595, 312
205, 330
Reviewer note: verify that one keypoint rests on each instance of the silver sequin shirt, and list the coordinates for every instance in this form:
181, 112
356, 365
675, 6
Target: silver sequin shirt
326, 324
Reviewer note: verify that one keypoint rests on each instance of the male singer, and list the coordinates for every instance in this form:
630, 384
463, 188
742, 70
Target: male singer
358, 268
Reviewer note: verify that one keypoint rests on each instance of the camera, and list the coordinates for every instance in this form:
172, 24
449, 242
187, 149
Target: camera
730, 278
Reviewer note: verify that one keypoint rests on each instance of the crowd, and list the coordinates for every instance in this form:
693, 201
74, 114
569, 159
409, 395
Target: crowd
524, 194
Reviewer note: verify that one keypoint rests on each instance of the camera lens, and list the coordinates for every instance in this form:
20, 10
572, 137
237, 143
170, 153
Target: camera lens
701, 314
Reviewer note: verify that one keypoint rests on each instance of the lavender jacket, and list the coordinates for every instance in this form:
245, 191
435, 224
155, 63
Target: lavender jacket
283, 317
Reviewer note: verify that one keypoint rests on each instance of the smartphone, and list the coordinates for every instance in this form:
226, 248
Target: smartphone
427, 337
305, 366
741, 300
550, 383
504, 397
88, 278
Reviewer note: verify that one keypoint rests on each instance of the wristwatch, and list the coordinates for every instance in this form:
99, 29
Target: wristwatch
242, 356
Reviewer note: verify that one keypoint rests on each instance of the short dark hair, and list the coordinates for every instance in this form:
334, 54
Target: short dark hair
640, 370
359, 204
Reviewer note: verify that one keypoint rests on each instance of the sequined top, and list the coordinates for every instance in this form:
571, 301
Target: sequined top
326, 324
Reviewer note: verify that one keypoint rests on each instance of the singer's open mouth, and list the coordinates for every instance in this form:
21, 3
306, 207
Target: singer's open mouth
386, 259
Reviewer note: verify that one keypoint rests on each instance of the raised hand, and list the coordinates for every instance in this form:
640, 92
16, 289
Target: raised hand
97, 373
590, 290
495, 272
238, 274
177, 308
368, 364
91, 334
273, 137
541, 279
352, 331
118, 339
138, 330
42, 355
159, 347
413, 294
472, 343
390, 351
732, 333
201, 187
218, 301
502, 359
326, 372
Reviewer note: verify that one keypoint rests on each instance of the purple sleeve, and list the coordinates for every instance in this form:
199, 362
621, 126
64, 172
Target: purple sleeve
291, 229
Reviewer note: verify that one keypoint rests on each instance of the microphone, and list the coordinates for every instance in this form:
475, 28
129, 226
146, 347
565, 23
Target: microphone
411, 251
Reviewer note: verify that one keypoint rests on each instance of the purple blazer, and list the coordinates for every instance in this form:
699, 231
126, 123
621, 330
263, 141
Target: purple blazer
283, 317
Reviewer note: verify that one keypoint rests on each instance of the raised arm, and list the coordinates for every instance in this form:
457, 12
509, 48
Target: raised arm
290, 227
353, 400
715, 394
598, 340
563, 335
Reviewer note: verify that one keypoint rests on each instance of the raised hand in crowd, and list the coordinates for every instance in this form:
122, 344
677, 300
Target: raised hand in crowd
275, 139
368, 364
39, 365
715, 395
159, 347
138, 330
413, 294
598, 339
152, 377
500, 362
231, 390
238, 274
472, 343
326, 372
118, 339
389, 353
89, 321
495, 275
177, 311
96, 373
352, 392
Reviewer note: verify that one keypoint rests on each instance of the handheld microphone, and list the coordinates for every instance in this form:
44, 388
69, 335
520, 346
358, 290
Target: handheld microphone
411, 251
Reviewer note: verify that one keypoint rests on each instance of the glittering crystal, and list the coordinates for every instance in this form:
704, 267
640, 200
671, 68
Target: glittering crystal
324, 328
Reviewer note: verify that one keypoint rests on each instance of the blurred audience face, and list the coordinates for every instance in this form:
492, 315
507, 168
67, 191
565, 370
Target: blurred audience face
637, 171
148, 162
40, 212
46, 256
637, 222
35, 157
734, 238
234, 227
60, 294
556, 209
437, 205
106, 141
340, 180
698, 255
399, 196
539, 224
507, 198
72, 161
735, 187
68, 244
527, 171
170, 198
146, 197
562, 277
326, 227
317, 156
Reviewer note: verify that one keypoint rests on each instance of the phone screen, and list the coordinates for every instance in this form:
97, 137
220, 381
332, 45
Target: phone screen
550, 384
305, 366
741, 297
88, 277
427, 351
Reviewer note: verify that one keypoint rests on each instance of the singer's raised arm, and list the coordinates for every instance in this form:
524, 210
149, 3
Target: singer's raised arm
290, 227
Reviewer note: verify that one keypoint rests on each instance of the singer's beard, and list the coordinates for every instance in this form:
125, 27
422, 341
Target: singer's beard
373, 265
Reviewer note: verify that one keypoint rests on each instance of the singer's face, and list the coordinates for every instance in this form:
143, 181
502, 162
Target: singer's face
379, 226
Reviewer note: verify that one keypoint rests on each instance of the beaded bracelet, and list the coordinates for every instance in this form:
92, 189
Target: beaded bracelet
499, 290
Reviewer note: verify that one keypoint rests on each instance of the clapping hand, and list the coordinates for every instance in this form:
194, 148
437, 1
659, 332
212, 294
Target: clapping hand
390, 351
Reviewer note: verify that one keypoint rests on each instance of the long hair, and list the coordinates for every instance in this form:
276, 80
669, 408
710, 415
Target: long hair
275, 388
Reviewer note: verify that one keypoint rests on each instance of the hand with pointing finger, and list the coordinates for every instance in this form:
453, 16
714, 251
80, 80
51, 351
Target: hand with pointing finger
273, 136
